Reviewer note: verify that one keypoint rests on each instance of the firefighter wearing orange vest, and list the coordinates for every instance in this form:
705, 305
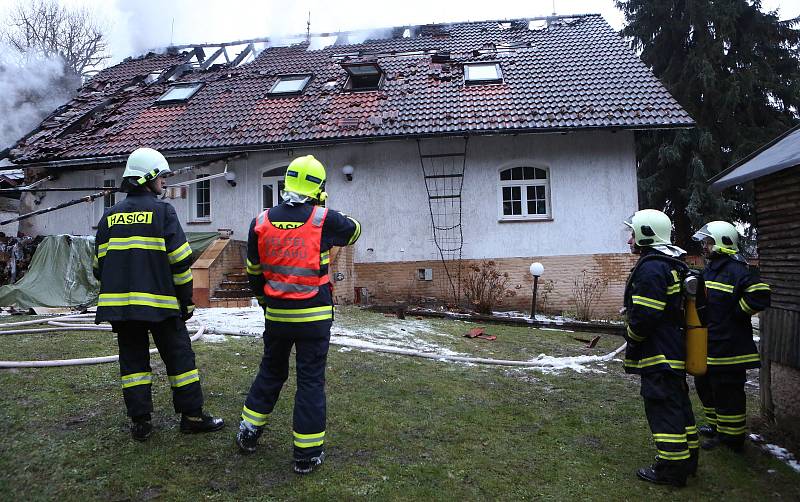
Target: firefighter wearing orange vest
288, 250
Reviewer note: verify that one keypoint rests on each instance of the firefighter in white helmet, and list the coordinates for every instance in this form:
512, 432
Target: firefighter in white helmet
734, 295
142, 261
656, 347
288, 254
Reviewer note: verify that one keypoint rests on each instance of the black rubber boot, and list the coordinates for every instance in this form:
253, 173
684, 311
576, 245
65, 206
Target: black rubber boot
141, 428
247, 437
665, 472
202, 422
306, 466
707, 430
710, 443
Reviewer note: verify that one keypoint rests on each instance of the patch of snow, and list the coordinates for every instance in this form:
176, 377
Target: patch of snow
213, 338
247, 321
776, 451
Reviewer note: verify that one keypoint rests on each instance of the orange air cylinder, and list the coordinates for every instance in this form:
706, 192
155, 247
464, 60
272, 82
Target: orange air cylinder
696, 340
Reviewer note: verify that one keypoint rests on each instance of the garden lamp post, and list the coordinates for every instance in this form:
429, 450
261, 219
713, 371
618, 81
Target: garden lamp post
537, 269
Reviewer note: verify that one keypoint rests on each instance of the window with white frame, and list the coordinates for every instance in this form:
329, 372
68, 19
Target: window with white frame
201, 199
109, 199
271, 185
524, 194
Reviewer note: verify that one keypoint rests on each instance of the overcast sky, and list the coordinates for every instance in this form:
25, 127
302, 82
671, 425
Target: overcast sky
137, 25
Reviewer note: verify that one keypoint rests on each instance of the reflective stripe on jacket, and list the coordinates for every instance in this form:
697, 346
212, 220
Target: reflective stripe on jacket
653, 306
734, 294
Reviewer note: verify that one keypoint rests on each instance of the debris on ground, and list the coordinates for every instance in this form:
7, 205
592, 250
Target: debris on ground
590, 344
480, 333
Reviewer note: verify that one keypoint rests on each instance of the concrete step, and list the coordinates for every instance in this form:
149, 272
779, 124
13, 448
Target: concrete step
232, 293
234, 285
237, 277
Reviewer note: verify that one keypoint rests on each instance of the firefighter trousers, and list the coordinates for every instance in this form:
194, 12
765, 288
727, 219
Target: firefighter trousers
175, 349
311, 352
669, 414
724, 403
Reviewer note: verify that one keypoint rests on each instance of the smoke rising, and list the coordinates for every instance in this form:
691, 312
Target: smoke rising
30, 89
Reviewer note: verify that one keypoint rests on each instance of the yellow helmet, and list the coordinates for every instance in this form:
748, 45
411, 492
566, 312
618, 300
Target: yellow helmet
724, 235
650, 228
306, 176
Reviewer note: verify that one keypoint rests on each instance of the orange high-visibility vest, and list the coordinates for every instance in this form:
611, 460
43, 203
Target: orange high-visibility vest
290, 258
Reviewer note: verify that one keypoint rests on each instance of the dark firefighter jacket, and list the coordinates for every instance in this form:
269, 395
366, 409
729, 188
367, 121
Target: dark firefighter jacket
734, 295
142, 261
653, 305
337, 230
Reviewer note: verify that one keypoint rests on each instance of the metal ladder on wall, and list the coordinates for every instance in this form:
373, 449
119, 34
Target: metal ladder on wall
444, 181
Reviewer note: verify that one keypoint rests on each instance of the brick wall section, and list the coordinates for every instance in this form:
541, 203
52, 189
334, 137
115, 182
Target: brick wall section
342, 261
389, 282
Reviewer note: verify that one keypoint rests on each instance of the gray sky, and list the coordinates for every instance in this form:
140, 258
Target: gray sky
137, 25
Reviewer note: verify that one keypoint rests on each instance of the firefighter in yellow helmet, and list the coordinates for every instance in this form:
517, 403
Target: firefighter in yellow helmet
288, 254
734, 295
656, 347
142, 261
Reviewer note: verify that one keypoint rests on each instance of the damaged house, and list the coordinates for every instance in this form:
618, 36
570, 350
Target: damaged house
511, 141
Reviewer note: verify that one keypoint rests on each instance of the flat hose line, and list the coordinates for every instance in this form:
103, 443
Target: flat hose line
59, 326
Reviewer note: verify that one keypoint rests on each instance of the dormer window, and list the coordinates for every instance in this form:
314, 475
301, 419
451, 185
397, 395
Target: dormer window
483, 73
363, 76
290, 84
180, 93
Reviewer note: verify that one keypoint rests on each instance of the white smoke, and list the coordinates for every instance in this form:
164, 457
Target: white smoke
30, 89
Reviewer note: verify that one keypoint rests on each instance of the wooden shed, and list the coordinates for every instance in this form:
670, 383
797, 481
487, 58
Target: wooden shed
775, 170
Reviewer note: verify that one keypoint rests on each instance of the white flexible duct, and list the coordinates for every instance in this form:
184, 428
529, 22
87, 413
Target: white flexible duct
77, 362
54, 328
547, 362
40, 321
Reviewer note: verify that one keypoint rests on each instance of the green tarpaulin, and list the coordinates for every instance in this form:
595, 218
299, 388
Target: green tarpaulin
60, 274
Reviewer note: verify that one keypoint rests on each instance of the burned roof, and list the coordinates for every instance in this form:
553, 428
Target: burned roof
570, 73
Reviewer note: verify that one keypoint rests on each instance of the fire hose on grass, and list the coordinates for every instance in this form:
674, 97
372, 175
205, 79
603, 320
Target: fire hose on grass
59, 324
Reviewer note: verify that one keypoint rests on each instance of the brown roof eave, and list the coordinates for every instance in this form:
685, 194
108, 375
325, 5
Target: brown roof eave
105, 161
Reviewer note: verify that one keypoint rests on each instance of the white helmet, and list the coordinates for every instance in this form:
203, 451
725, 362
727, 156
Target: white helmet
723, 234
145, 164
650, 227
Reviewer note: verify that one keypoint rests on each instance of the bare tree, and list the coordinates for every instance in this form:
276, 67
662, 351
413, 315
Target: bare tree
50, 29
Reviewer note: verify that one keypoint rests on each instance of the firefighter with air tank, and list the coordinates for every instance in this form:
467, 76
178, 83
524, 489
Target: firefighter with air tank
734, 295
288, 254
657, 348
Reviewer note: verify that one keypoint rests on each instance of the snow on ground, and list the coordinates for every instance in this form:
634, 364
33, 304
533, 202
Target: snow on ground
776, 451
382, 333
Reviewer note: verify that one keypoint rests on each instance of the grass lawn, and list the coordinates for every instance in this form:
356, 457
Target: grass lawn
399, 428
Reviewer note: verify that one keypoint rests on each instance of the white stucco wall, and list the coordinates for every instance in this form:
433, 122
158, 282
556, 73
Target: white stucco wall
592, 183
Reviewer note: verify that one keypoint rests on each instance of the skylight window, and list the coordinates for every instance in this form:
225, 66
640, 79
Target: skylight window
483, 73
180, 93
152, 77
290, 84
363, 76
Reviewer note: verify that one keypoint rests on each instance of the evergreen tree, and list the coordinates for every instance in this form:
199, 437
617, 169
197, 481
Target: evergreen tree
736, 70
